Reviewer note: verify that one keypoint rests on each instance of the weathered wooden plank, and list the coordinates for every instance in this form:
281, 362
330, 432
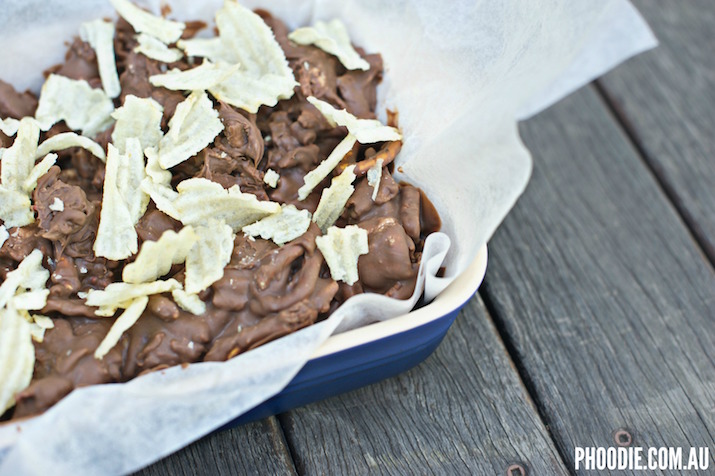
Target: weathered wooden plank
606, 301
256, 448
666, 98
463, 411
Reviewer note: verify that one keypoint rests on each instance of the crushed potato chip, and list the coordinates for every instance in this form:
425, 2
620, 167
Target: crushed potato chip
210, 48
38, 171
65, 140
200, 77
4, 235
123, 202
163, 197
18, 160
155, 258
29, 275
249, 92
331, 37
341, 248
194, 125
366, 131
188, 302
43, 322
209, 256
127, 319
100, 36
153, 48
271, 178
120, 295
57, 205
282, 227
154, 171
17, 356
200, 200
318, 174
333, 199
31, 300
15, 208
167, 31
81, 106
140, 118
374, 175
9, 126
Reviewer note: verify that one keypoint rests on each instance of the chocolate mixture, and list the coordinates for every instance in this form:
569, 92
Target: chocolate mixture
266, 291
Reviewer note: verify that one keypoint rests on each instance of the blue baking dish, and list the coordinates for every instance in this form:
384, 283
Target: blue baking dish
371, 353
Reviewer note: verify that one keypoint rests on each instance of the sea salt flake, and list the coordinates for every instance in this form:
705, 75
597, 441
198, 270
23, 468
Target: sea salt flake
57, 205
271, 178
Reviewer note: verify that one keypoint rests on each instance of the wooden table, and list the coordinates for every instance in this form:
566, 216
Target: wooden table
598, 310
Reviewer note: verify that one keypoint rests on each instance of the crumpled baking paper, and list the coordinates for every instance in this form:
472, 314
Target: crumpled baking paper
460, 76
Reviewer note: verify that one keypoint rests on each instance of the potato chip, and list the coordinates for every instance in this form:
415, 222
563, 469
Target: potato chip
210, 48
38, 171
154, 171
15, 208
333, 199
194, 125
249, 92
4, 235
209, 256
17, 356
65, 140
57, 205
282, 227
29, 275
43, 322
331, 37
270, 178
318, 174
366, 131
341, 248
120, 295
9, 126
189, 302
163, 197
18, 160
153, 48
201, 77
374, 175
201, 200
155, 258
81, 106
126, 320
167, 31
38, 325
100, 36
30, 300
140, 118
123, 202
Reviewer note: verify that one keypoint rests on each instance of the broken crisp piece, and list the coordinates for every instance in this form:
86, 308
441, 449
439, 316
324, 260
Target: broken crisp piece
15, 208
17, 356
82, 107
39, 325
189, 302
128, 318
318, 174
29, 275
331, 37
163, 197
65, 140
341, 248
282, 227
270, 178
120, 295
140, 118
123, 202
210, 48
366, 131
155, 258
201, 77
9, 126
209, 256
167, 31
333, 199
38, 171
57, 205
193, 126
19, 159
374, 175
155, 49
201, 200
30, 300
100, 36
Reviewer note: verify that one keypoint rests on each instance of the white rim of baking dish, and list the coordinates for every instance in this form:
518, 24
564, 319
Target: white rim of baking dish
454, 296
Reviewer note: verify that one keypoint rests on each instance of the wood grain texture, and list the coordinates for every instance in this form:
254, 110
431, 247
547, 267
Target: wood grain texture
608, 305
256, 448
463, 411
666, 99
